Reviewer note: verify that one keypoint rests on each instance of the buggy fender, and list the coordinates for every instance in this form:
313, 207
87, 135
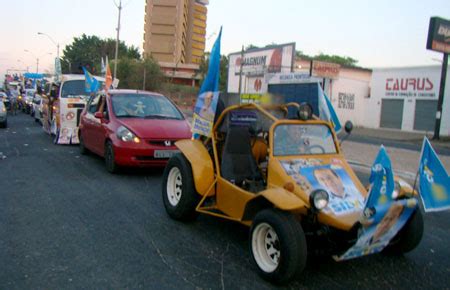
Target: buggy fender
283, 199
201, 164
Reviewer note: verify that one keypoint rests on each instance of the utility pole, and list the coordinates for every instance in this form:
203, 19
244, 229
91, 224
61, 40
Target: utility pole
437, 126
117, 40
143, 83
240, 69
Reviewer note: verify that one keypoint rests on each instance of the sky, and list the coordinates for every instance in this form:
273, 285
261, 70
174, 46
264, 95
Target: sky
378, 33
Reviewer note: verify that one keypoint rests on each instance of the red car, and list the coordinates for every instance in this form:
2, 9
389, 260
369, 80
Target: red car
131, 128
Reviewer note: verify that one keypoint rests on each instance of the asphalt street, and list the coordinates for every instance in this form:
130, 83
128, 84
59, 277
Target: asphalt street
65, 223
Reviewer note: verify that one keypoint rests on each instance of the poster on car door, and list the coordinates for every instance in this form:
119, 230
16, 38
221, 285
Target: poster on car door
312, 174
69, 114
379, 227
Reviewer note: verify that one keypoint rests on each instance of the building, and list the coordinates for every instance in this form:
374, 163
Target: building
406, 99
174, 34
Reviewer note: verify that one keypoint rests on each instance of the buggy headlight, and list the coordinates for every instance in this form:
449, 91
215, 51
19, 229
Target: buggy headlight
124, 134
319, 199
305, 112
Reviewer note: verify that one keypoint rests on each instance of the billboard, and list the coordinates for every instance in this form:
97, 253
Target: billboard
324, 69
422, 83
256, 63
439, 35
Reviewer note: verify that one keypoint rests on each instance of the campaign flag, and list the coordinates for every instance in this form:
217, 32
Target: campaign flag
103, 69
108, 76
91, 84
333, 115
326, 110
205, 107
381, 181
434, 182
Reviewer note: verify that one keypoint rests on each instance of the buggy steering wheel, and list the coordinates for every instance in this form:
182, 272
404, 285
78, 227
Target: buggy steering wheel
319, 147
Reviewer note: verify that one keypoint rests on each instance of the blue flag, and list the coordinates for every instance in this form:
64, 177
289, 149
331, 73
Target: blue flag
381, 181
434, 185
326, 110
91, 85
205, 107
333, 115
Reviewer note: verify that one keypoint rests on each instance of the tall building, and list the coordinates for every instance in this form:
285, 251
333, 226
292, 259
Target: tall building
174, 30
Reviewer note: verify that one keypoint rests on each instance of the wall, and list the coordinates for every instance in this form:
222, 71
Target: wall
409, 84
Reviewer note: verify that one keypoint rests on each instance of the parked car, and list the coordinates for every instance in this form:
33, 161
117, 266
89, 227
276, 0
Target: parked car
288, 181
5, 100
3, 116
131, 128
63, 101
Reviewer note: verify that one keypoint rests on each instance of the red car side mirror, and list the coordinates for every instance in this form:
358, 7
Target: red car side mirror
99, 115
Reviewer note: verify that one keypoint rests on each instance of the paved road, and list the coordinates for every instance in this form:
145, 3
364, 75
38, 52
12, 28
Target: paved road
65, 223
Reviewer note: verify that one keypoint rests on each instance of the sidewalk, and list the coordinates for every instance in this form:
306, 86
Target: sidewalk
404, 162
400, 136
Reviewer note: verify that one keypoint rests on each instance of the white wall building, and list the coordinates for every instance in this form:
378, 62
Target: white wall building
406, 99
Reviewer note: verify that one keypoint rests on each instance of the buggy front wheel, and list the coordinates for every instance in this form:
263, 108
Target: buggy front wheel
278, 245
178, 189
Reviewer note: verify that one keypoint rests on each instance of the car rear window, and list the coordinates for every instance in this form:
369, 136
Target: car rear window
144, 106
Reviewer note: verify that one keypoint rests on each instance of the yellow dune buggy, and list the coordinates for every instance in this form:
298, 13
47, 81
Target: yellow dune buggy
284, 178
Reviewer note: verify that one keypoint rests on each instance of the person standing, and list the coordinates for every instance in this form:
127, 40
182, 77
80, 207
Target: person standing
14, 97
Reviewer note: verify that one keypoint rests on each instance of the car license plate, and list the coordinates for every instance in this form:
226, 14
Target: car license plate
165, 153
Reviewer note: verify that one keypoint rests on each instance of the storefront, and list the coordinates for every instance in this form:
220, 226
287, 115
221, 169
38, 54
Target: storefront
406, 99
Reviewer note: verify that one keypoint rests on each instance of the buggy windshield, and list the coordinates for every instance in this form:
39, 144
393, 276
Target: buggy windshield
303, 139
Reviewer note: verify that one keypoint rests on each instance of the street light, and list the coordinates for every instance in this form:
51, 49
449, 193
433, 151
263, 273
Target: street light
28, 67
54, 42
117, 40
37, 58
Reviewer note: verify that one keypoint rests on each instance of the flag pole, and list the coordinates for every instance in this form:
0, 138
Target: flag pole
415, 182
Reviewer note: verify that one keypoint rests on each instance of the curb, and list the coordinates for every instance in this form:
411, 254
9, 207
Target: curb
403, 174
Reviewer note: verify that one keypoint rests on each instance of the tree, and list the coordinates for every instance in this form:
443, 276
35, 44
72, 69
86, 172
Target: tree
131, 73
88, 51
223, 78
250, 46
342, 60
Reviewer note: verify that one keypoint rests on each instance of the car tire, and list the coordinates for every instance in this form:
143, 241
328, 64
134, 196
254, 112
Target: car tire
110, 162
409, 237
278, 245
82, 147
178, 189
4, 124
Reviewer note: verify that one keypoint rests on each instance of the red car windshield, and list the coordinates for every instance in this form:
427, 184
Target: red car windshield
144, 106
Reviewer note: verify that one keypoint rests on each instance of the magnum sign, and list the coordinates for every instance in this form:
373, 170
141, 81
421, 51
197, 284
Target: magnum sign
439, 35
325, 69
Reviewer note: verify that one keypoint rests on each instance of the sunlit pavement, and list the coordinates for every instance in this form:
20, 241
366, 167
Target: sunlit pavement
65, 223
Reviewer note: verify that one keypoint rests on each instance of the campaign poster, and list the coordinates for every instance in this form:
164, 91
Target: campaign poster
312, 174
378, 228
204, 112
70, 110
205, 107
